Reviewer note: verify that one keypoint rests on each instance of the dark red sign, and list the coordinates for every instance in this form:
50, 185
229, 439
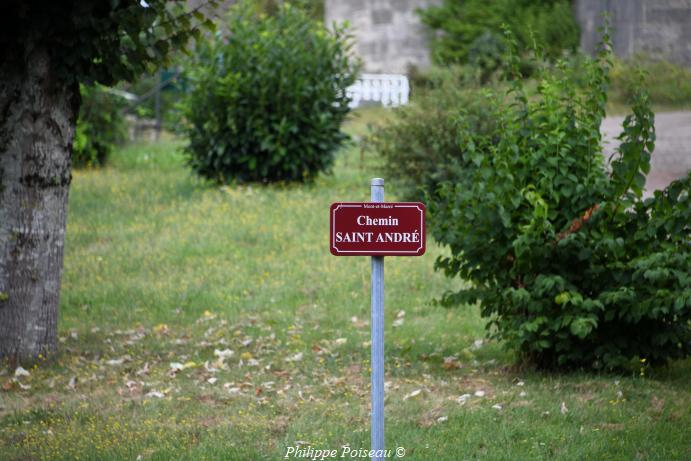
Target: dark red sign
377, 229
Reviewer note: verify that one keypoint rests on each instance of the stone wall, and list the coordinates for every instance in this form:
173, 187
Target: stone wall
659, 28
388, 34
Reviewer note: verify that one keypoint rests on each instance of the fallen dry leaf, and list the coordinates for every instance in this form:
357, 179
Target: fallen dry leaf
115, 362
563, 409
657, 404
156, 394
358, 323
295, 358
462, 399
161, 329
451, 363
144, 370
19, 372
413, 394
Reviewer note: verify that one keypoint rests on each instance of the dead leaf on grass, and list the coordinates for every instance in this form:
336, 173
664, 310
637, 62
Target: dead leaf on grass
161, 329
462, 399
224, 354
412, 394
143, 370
563, 408
120, 361
19, 372
657, 404
451, 363
155, 394
432, 417
357, 323
295, 358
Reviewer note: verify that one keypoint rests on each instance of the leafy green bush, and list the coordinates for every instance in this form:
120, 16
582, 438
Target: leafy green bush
571, 265
420, 145
100, 126
267, 102
487, 53
470, 30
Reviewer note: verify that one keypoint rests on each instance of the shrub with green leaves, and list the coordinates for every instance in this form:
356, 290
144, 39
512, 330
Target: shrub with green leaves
100, 126
571, 265
420, 145
267, 101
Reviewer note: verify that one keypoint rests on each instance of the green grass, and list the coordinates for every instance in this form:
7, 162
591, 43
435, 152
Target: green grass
162, 268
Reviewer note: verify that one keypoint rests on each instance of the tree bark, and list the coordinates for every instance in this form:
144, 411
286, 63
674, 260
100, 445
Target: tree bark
38, 111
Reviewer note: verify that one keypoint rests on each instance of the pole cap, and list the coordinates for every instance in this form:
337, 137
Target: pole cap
377, 182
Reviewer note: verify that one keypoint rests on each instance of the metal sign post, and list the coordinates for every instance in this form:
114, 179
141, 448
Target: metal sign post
377, 229
377, 358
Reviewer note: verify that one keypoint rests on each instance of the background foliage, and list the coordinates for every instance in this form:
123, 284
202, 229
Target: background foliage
101, 125
572, 267
469, 31
669, 85
101, 41
313, 8
173, 86
267, 103
420, 146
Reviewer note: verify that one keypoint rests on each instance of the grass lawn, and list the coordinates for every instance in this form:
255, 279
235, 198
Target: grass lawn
213, 323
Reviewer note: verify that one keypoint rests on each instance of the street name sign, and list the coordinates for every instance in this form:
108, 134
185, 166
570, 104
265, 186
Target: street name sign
377, 229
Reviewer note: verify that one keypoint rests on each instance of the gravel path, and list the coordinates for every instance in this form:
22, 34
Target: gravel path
672, 156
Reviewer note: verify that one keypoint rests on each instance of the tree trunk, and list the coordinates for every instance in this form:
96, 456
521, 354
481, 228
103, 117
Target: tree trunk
38, 111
